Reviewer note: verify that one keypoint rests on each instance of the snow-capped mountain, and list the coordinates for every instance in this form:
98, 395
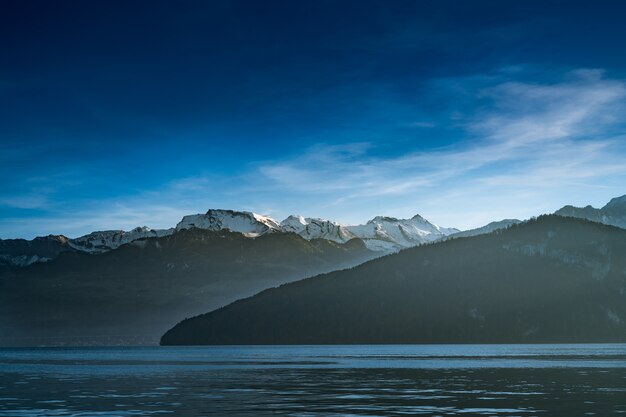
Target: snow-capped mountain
310, 228
381, 234
488, 228
613, 213
103, 241
245, 222
388, 234
249, 224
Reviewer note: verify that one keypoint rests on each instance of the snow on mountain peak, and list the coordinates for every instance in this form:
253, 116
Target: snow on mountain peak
245, 222
105, 240
294, 221
383, 219
384, 233
314, 228
294, 224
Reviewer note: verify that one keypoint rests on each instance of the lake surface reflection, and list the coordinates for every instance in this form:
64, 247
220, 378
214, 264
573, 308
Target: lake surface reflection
431, 380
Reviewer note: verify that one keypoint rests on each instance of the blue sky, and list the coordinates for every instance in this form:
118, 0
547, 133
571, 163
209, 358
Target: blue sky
120, 114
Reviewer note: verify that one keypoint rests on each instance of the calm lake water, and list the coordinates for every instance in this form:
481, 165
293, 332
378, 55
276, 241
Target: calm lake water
431, 380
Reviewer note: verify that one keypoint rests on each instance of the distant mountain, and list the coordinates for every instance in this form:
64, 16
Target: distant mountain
381, 234
104, 241
312, 228
388, 234
244, 222
491, 227
551, 279
613, 213
132, 294
21, 252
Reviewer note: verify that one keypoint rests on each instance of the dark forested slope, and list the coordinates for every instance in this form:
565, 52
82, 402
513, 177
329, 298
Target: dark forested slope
134, 293
553, 279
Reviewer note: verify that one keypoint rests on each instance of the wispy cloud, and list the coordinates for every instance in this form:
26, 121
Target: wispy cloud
27, 201
531, 139
526, 148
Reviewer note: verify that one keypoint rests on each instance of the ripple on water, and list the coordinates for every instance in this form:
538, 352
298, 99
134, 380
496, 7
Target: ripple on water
494, 410
275, 386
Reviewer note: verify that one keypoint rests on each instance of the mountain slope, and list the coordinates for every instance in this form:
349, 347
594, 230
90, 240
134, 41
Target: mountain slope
21, 252
488, 228
553, 279
106, 240
613, 213
132, 294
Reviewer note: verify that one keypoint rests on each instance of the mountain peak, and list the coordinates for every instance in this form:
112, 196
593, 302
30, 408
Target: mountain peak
312, 228
390, 219
386, 219
58, 238
295, 218
613, 213
617, 202
246, 222
105, 240
488, 228
389, 234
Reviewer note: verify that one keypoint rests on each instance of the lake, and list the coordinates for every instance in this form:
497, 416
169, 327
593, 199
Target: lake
379, 380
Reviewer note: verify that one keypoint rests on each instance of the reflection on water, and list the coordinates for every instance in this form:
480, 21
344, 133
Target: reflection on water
549, 380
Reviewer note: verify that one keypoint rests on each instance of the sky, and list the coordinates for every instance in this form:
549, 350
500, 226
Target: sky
117, 114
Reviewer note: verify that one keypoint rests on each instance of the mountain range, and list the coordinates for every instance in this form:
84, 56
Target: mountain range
560, 278
381, 234
118, 287
613, 213
130, 295
548, 280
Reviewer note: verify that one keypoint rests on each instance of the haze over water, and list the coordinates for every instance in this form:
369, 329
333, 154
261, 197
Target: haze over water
433, 380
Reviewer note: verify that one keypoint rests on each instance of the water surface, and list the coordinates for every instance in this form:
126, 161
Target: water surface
432, 380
